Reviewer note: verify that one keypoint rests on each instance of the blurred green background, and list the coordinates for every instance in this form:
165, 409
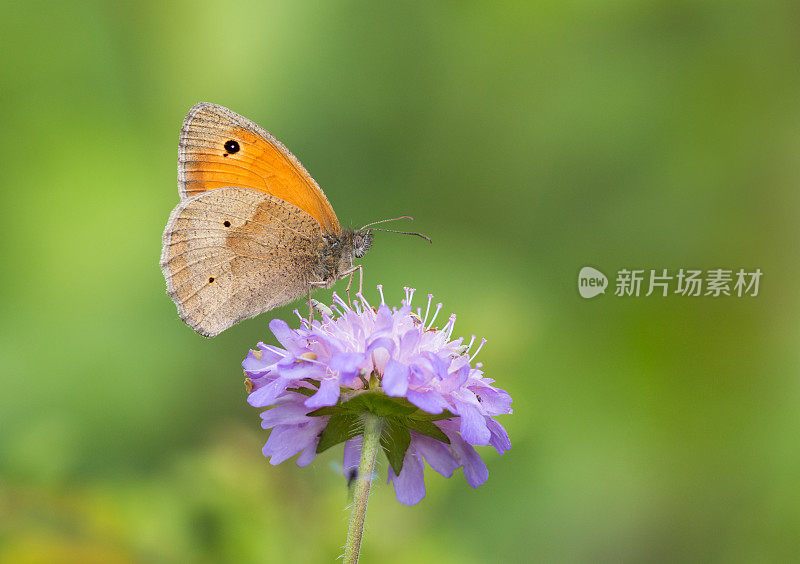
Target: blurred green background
528, 140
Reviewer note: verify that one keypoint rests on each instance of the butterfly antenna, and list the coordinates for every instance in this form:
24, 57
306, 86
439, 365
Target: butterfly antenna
428, 239
392, 219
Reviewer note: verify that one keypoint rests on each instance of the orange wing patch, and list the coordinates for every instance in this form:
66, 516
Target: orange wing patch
219, 148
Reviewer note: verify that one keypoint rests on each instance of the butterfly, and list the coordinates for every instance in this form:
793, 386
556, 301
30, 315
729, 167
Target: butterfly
253, 230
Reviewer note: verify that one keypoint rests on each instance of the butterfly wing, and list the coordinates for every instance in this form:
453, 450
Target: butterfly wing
220, 148
233, 253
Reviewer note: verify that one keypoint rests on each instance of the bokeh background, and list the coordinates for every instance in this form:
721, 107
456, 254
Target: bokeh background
528, 140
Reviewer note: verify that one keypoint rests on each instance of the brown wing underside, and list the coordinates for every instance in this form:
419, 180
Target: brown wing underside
259, 162
233, 253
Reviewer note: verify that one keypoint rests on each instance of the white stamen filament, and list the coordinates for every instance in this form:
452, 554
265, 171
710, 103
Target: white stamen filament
340, 301
483, 342
427, 309
364, 301
469, 346
380, 290
448, 329
301, 358
435, 313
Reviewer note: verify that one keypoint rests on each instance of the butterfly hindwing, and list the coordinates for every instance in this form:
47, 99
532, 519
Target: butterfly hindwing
233, 253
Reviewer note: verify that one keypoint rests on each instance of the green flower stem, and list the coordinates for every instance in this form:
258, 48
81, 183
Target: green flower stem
373, 425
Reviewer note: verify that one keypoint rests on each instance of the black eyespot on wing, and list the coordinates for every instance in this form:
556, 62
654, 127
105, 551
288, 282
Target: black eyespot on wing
231, 146
226, 223
211, 279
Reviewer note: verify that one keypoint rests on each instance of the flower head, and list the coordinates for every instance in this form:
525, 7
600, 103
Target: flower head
389, 362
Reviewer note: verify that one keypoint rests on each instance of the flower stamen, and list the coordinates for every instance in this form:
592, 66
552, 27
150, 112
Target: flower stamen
469, 346
483, 342
435, 313
340, 302
448, 328
427, 309
364, 301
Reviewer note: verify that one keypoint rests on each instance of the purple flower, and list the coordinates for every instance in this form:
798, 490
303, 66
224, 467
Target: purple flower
390, 362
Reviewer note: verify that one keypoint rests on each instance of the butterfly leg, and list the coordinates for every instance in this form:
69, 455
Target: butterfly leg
352, 271
310, 307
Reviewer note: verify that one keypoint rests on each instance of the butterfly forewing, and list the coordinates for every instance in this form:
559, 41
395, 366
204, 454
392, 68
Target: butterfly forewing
219, 148
233, 253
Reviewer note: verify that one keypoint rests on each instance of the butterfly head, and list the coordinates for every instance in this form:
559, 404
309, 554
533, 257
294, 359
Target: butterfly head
354, 244
362, 241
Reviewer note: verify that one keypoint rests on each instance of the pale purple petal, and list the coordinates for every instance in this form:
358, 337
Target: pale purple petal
473, 424
428, 400
475, 470
381, 343
352, 452
500, 440
384, 320
378, 360
347, 364
436, 454
257, 365
455, 380
309, 453
494, 400
285, 335
422, 373
395, 378
288, 414
438, 364
409, 486
352, 457
460, 361
328, 394
326, 345
266, 395
287, 440
409, 342
300, 369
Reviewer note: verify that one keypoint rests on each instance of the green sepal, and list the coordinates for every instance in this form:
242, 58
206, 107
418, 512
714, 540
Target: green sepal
426, 428
327, 410
341, 427
395, 439
421, 415
379, 404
